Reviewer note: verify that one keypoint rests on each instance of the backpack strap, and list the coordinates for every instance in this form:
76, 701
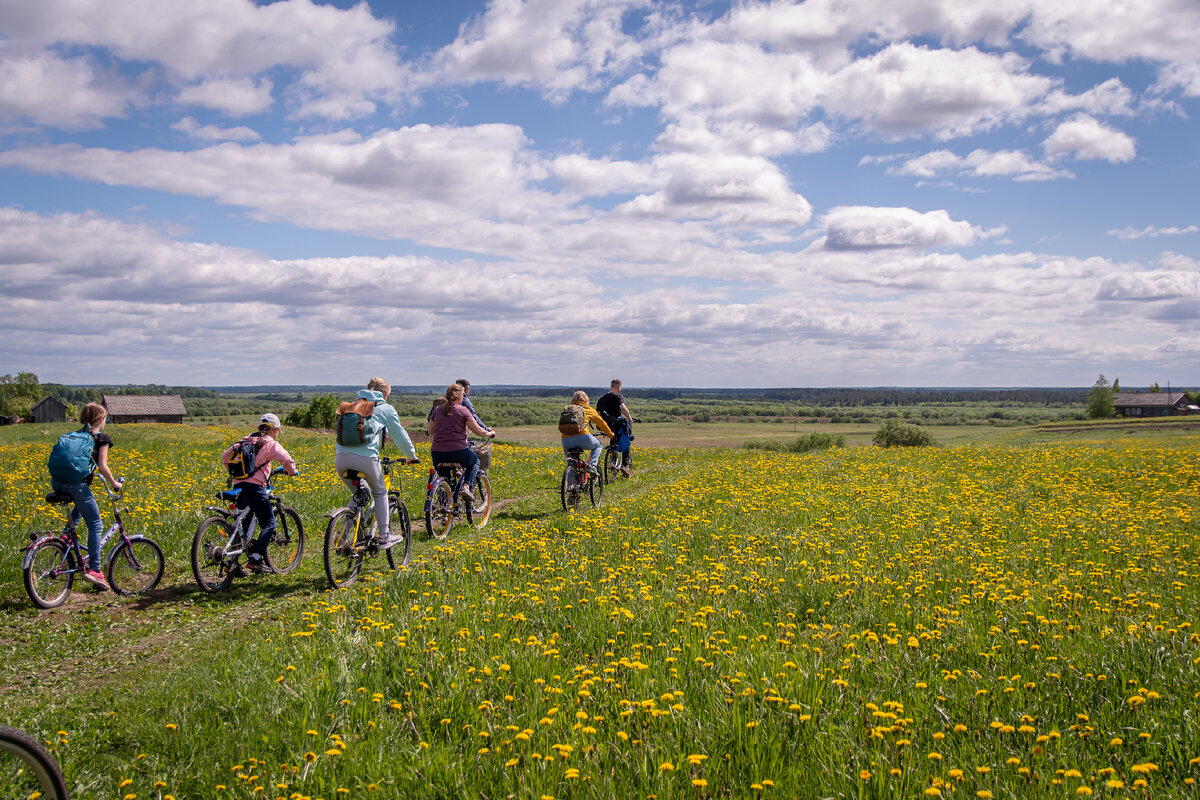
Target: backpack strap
257, 467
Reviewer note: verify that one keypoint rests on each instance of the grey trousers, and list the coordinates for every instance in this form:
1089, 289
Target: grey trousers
373, 474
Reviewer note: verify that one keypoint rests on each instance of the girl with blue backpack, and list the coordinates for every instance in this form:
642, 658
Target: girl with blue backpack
73, 463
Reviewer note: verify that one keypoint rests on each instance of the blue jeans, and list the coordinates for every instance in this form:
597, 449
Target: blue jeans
259, 502
85, 507
466, 457
584, 441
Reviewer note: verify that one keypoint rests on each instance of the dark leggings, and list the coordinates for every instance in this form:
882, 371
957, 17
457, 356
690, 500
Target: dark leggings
465, 457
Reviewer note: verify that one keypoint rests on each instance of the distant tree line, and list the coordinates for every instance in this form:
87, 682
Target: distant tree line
908, 397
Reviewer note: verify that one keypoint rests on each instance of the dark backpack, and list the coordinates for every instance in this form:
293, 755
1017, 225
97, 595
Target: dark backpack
573, 420
355, 427
241, 461
71, 457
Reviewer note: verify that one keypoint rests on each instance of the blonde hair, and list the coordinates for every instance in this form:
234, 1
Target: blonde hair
92, 414
453, 392
379, 385
578, 396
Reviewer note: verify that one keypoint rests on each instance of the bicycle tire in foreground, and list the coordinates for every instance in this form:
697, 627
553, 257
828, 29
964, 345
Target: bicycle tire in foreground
27, 769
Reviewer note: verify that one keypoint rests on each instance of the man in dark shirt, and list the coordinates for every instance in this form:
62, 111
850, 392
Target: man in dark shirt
612, 408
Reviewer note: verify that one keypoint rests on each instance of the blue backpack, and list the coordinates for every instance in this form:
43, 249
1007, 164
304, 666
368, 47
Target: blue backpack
71, 458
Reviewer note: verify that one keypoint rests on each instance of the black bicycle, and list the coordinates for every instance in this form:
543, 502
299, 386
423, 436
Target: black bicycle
442, 506
350, 541
616, 463
219, 542
27, 769
579, 478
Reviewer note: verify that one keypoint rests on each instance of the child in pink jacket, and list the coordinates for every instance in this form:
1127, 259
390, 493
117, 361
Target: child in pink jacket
254, 492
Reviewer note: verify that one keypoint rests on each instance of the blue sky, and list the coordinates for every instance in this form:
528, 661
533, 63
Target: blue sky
819, 193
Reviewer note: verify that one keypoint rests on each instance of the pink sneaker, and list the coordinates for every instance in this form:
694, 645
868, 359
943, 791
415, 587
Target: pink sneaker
96, 578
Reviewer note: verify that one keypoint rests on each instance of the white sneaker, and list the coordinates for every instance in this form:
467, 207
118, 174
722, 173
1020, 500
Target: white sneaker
389, 541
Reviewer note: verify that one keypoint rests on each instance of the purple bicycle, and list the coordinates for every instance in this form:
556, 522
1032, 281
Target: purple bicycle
52, 559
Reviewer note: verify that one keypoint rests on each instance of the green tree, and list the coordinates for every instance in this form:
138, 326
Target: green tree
894, 433
18, 393
1154, 387
1116, 385
1100, 400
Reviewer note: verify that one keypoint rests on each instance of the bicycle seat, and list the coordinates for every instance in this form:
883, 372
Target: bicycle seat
229, 494
448, 465
577, 451
352, 474
59, 498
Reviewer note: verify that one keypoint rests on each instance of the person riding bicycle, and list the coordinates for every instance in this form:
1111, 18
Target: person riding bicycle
466, 402
93, 417
611, 406
254, 494
585, 440
364, 458
448, 426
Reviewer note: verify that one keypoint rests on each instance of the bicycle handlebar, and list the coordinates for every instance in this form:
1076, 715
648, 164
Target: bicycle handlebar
108, 487
389, 461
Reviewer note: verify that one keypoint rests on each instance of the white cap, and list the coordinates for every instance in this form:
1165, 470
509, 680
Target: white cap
269, 419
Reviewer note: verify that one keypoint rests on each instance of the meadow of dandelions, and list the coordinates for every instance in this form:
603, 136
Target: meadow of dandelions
974, 623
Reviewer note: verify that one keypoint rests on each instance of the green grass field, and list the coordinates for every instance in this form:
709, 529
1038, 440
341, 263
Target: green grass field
1013, 618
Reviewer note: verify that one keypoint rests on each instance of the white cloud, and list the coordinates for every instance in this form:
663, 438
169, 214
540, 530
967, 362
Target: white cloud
557, 45
785, 314
212, 133
905, 90
732, 190
979, 163
63, 92
1110, 97
234, 97
1156, 285
1151, 232
1115, 30
450, 187
870, 228
589, 177
1086, 138
344, 56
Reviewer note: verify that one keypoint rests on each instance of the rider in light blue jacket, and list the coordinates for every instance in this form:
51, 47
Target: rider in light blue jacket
364, 458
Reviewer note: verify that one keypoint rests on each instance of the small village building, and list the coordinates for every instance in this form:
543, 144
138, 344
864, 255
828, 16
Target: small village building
49, 409
1153, 404
125, 408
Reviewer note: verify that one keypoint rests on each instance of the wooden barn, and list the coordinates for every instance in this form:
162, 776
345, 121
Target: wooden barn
123, 408
1153, 404
49, 409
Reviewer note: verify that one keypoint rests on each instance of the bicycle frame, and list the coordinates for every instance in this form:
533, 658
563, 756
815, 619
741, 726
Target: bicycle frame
70, 537
237, 517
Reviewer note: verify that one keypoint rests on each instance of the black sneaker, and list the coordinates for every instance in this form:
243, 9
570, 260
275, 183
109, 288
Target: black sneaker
259, 566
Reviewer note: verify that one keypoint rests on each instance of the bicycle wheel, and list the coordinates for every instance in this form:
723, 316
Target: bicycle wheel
570, 488
399, 524
612, 466
212, 569
287, 544
49, 570
439, 514
481, 508
134, 567
595, 489
343, 548
27, 769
